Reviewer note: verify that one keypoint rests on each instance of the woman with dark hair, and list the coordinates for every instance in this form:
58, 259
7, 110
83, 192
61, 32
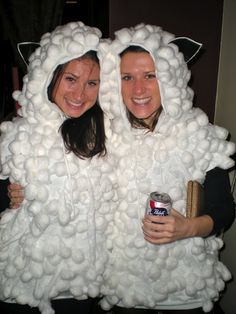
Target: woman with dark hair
53, 248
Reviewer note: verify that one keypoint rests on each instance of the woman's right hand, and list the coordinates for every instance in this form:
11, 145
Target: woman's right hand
15, 193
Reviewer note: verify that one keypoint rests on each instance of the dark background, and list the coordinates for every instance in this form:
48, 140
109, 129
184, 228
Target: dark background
27, 20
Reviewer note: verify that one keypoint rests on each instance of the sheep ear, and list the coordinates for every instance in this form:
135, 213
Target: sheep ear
25, 49
187, 46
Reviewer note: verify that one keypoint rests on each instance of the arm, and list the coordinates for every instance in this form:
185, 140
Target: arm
218, 215
219, 202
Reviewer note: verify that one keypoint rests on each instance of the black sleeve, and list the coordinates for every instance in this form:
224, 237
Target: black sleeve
4, 199
219, 201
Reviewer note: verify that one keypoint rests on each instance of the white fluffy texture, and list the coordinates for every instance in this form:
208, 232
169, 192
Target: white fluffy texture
184, 145
55, 244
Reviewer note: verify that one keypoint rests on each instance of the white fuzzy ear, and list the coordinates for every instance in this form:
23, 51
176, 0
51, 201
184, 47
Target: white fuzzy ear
30, 47
187, 46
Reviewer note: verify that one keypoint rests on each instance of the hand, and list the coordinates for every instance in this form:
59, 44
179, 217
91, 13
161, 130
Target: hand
167, 229
15, 193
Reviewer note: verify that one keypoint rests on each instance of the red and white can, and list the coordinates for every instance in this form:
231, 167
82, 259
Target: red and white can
158, 204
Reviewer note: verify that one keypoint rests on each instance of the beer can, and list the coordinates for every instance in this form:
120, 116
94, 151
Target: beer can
158, 204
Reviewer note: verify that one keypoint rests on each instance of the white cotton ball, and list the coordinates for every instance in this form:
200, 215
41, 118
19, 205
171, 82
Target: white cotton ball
230, 148
207, 306
31, 191
33, 87
65, 252
82, 226
47, 64
172, 109
187, 158
34, 207
56, 153
186, 104
75, 48
154, 273
50, 249
91, 275
26, 276
192, 126
55, 260
15, 147
67, 274
164, 77
221, 132
203, 164
77, 256
60, 169
69, 230
204, 145
42, 193
201, 257
200, 284
53, 51
207, 271
105, 305
19, 262
6, 290
43, 176
123, 35
4, 254
10, 271
162, 66
38, 292
77, 290
40, 150
42, 221
101, 223
34, 230
22, 299
63, 216
91, 39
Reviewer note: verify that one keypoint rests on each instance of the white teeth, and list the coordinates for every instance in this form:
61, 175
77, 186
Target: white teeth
71, 103
141, 101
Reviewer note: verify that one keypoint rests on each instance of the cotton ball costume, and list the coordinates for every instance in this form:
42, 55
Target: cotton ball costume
184, 146
54, 246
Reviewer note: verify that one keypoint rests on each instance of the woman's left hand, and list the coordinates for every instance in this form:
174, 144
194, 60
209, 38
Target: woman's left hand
166, 229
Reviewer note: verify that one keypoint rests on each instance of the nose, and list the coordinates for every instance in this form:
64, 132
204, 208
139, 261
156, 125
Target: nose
78, 91
138, 87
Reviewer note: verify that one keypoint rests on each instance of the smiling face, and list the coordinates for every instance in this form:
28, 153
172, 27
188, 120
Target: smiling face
139, 87
76, 90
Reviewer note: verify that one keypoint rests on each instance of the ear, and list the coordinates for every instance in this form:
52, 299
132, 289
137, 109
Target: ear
187, 46
25, 49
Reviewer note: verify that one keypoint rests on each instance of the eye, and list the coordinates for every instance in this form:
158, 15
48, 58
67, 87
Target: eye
150, 76
93, 83
69, 78
126, 77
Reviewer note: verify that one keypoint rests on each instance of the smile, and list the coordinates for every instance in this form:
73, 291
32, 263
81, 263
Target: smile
74, 104
141, 101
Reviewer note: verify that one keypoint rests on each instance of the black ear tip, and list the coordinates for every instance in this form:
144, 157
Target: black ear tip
187, 46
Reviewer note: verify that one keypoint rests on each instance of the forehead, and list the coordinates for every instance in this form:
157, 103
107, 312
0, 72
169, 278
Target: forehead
81, 65
137, 60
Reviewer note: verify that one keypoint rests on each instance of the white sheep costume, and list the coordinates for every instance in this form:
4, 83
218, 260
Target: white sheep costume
55, 244
184, 145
